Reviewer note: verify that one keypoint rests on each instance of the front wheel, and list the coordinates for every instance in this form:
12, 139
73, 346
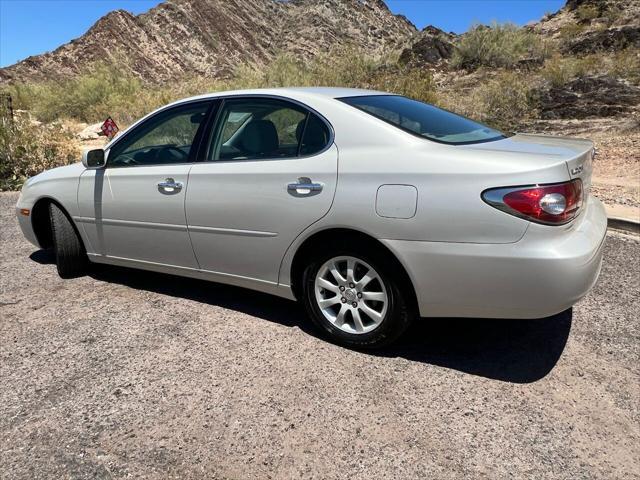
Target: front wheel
71, 257
356, 300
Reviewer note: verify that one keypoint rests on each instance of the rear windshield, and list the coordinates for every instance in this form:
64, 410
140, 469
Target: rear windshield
424, 120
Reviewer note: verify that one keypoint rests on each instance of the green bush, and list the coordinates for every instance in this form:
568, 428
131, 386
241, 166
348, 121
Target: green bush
27, 148
498, 45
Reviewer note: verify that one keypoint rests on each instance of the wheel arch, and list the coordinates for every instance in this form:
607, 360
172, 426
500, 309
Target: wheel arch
344, 237
41, 221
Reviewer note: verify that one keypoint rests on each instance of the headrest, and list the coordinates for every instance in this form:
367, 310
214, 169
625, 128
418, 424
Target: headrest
260, 137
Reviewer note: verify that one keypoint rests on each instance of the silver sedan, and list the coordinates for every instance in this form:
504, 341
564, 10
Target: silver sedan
370, 208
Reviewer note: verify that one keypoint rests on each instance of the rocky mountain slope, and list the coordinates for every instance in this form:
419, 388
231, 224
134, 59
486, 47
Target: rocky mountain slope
180, 38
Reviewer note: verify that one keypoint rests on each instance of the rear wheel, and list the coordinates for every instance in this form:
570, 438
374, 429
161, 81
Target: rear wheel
71, 257
355, 299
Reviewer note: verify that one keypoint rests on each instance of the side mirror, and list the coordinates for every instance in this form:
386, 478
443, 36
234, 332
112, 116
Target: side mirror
93, 159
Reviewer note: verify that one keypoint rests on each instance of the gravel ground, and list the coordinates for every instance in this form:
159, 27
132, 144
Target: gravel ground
124, 373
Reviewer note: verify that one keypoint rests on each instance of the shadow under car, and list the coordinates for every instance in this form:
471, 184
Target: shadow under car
518, 351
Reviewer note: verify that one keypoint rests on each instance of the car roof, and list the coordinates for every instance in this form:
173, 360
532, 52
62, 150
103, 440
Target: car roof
293, 92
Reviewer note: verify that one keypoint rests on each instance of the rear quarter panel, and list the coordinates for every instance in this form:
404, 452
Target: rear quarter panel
449, 183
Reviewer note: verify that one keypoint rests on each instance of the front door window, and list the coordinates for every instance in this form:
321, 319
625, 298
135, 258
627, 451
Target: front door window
165, 138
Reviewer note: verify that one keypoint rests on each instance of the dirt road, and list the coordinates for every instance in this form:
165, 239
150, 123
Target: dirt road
123, 373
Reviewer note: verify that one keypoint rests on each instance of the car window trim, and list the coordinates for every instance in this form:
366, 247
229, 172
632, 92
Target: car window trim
304, 130
207, 139
197, 139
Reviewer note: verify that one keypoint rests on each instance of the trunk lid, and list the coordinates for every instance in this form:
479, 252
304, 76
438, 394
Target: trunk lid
575, 152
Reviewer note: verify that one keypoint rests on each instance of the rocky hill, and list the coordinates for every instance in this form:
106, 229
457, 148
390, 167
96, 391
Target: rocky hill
180, 38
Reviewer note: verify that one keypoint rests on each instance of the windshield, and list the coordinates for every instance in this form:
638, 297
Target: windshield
424, 120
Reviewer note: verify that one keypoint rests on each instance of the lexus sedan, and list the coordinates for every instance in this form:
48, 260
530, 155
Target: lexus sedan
370, 208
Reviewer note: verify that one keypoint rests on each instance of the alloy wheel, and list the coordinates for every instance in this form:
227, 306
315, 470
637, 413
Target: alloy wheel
351, 294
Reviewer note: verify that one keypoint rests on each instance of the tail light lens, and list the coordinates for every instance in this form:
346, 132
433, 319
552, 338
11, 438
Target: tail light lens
551, 204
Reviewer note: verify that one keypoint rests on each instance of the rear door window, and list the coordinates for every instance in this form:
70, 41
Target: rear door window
265, 128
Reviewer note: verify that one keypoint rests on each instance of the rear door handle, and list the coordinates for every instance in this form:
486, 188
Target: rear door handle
170, 186
304, 186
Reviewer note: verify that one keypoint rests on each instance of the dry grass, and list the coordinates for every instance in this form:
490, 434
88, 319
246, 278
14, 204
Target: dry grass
505, 100
570, 30
559, 70
105, 91
625, 64
587, 12
28, 148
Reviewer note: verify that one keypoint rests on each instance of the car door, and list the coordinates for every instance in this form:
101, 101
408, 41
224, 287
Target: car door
271, 172
134, 208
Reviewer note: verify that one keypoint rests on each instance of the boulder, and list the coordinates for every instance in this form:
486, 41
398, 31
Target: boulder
611, 39
431, 46
590, 96
91, 132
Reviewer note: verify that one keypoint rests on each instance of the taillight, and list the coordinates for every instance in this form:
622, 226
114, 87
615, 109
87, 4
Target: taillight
551, 204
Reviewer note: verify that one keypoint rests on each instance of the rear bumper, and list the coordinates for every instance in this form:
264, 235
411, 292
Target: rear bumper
544, 273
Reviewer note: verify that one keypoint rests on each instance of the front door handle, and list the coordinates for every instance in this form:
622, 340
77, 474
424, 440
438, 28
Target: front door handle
304, 186
169, 186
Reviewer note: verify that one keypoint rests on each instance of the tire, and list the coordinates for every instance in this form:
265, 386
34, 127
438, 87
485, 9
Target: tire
71, 257
380, 322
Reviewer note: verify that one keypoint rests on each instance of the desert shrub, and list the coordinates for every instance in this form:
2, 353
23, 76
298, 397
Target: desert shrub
415, 83
284, 70
625, 64
28, 148
102, 90
508, 101
505, 101
106, 91
613, 13
559, 70
498, 45
342, 68
586, 12
346, 67
570, 30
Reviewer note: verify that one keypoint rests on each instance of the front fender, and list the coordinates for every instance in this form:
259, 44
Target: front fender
59, 185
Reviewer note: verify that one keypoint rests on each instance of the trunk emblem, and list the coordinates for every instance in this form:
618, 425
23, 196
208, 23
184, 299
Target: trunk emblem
577, 170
